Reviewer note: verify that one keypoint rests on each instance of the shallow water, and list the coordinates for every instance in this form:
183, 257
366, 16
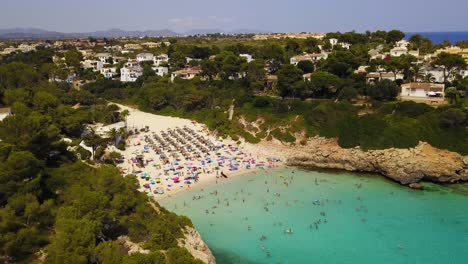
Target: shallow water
336, 217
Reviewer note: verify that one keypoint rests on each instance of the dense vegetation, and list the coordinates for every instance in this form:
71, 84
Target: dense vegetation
55, 206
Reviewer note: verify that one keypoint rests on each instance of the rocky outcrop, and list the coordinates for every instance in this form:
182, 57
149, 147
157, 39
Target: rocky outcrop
196, 246
405, 166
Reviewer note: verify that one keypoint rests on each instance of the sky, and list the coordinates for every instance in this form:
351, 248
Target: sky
269, 15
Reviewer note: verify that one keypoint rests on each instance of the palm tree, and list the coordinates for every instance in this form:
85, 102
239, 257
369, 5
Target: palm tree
125, 113
113, 134
429, 77
93, 140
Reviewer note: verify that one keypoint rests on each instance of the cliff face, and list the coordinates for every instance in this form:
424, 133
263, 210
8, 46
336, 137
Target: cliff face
405, 166
196, 246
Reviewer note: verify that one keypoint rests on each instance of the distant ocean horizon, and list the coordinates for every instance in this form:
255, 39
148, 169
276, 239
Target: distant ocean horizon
439, 37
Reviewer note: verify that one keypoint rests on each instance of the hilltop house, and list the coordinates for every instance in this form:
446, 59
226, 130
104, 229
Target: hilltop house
308, 57
398, 51
379, 76
95, 65
103, 57
160, 59
186, 74
422, 90
160, 71
131, 71
109, 72
144, 57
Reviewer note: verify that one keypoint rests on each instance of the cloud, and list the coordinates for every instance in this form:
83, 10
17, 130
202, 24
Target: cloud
185, 23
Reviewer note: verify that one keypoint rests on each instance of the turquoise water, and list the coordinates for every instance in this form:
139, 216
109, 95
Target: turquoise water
336, 217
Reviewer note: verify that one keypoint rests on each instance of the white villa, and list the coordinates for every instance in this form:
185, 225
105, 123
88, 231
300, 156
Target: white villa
422, 90
109, 72
160, 71
308, 57
131, 71
186, 74
144, 57
378, 76
96, 65
248, 57
160, 59
398, 51
103, 57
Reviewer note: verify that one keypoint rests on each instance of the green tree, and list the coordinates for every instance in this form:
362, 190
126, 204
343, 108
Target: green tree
450, 63
324, 84
384, 90
209, 68
306, 66
394, 36
452, 94
290, 80
452, 117
73, 58
93, 140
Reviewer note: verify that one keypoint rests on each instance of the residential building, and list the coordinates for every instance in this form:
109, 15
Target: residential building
132, 46
4, 112
103, 57
7, 51
308, 57
422, 90
379, 76
131, 71
187, 74
160, 59
117, 59
87, 53
151, 45
160, 71
271, 81
247, 57
333, 41
144, 57
109, 72
402, 43
414, 53
26, 48
398, 51
95, 65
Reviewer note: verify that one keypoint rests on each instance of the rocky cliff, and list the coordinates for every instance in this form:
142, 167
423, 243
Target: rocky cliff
406, 166
196, 246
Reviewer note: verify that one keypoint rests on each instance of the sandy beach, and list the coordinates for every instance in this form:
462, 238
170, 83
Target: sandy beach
173, 155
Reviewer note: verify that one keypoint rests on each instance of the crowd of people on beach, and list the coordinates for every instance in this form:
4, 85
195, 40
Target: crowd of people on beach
177, 158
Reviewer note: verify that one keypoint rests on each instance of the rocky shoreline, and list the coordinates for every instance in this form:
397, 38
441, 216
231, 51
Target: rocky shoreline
405, 166
196, 246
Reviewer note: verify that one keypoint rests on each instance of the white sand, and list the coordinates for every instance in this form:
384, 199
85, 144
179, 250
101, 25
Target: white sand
156, 123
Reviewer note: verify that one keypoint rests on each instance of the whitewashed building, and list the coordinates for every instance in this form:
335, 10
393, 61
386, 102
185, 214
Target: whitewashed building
160, 71
247, 57
162, 58
131, 71
422, 89
186, 74
95, 65
398, 51
103, 57
109, 72
144, 57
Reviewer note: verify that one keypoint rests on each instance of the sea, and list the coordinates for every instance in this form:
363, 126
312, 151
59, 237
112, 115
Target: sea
439, 37
295, 215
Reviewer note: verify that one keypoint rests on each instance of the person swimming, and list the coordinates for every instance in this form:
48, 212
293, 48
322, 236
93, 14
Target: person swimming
289, 231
